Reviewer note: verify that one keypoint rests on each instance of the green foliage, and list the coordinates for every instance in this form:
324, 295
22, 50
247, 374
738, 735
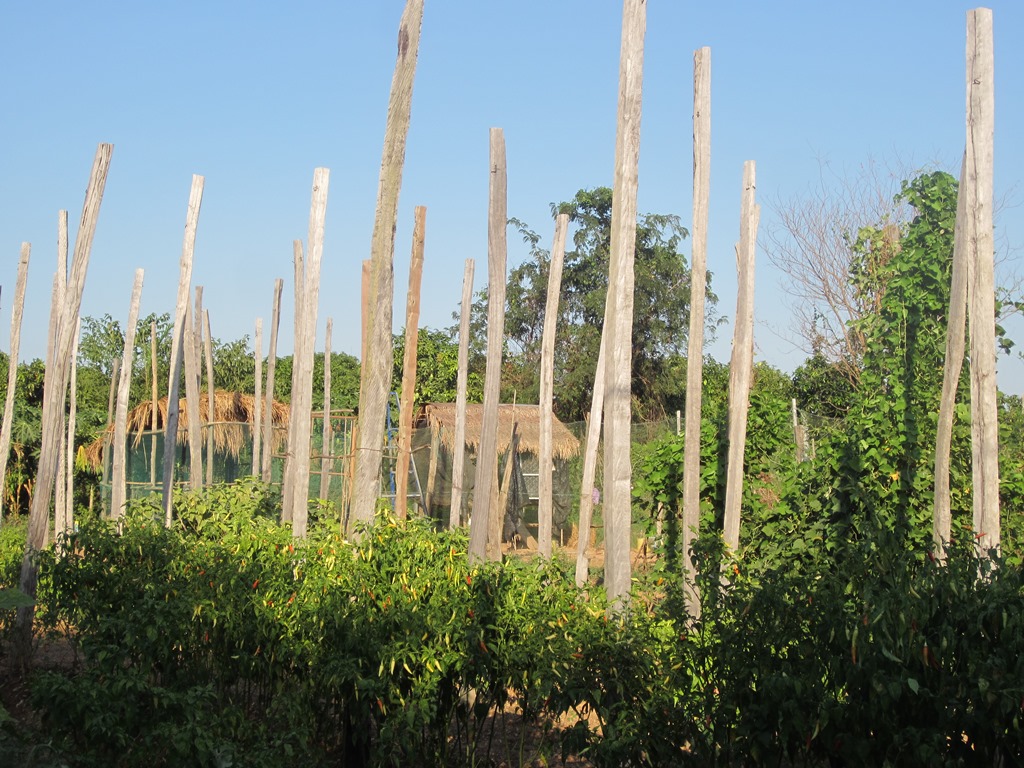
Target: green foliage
437, 369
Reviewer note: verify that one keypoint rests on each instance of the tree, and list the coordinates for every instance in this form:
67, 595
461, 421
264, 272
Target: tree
661, 308
437, 368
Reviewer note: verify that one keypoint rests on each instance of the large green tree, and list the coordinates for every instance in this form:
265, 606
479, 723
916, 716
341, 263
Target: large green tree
661, 309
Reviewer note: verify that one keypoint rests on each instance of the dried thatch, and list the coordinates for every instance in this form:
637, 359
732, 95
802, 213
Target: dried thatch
230, 411
440, 417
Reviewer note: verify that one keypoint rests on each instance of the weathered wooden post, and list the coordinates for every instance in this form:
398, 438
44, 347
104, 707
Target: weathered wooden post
297, 464
17, 313
619, 310
412, 335
480, 545
257, 400
60, 288
154, 409
587, 495
547, 388
461, 386
327, 433
268, 406
119, 479
178, 340
698, 293
981, 289
741, 364
69, 497
375, 372
55, 386
211, 399
194, 420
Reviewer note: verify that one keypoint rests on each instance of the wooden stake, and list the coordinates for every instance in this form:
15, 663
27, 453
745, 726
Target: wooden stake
698, 291
497, 254
742, 363
412, 335
268, 407
619, 311
55, 386
211, 402
375, 373
327, 435
69, 497
154, 411
61, 282
981, 289
546, 469
118, 486
17, 313
115, 372
297, 464
195, 201
590, 467
461, 386
257, 416
365, 309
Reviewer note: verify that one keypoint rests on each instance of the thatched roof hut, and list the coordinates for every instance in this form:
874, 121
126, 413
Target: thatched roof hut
230, 409
440, 417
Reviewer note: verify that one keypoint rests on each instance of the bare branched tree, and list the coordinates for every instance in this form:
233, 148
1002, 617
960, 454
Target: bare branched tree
812, 242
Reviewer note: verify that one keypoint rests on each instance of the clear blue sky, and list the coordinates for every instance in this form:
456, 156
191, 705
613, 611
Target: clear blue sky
255, 95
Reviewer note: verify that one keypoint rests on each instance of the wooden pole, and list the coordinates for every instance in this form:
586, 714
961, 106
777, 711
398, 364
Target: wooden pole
698, 291
192, 415
195, 201
412, 335
17, 313
268, 406
364, 309
546, 469
497, 254
619, 310
981, 290
55, 386
297, 464
257, 415
211, 400
115, 372
590, 467
742, 362
69, 496
327, 457
154, 410
375, 373
60, 502
118, 486
287, 477
461, 387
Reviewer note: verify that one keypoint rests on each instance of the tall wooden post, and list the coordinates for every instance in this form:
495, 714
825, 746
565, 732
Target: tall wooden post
297, 465
195, 201
61, 277
587, 495
698, 291
69, 496
547, 388
327, 434
268, 406
55, 387
118, 486
194, 419
742, 362
375, 372
412, 335
461, 386
17, 312
154, 410
211, 398
257, 404
619, 310
981, 289
487, 455
287, 477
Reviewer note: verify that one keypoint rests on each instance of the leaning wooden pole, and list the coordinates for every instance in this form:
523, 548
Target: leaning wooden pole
326, 434
956, 327
195, 200
741, 365
375, 372
587, 495
268, 404
981, 291
192, 414
545, 481
412, 335
17, 313
618, 322
487, 456
60, 500
119, 475
461, 388
69, 461
55, 386
698, 293
257, 405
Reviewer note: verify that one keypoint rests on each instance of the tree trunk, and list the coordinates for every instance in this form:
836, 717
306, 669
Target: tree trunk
547, 386
487, 455
375, 373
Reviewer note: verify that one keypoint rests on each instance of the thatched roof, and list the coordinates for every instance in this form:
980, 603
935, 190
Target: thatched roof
441, 418
230, 409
